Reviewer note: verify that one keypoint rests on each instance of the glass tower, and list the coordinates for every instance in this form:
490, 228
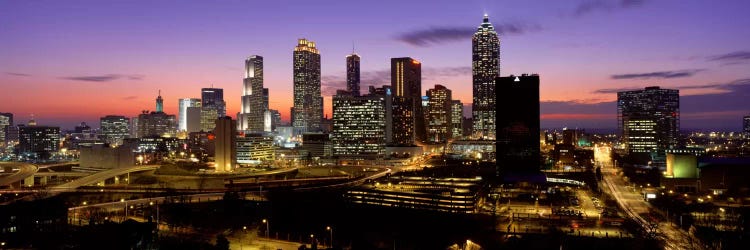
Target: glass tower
352, 74
254, 96
649, 119
307, 112
485, 51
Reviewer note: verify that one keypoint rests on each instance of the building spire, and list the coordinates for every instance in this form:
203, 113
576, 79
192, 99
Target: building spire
486, 18
159, 103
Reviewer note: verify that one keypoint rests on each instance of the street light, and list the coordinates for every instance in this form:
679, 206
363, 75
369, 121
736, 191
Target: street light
268, 225
243, 233
331, 231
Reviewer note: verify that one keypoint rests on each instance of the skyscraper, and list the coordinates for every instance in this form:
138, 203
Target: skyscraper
457, 119
406, 82
182, 115
746, 126
226, 154
212, 107
254, 97
485, 52
649, 119
114, 129
438, 114
518, 126
359, 125
307, 112
352, 74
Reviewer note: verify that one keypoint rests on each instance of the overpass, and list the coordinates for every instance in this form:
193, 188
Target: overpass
100, 177
25, 171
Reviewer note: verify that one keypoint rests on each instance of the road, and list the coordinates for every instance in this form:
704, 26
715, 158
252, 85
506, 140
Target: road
636, 207
24, 171
101, 176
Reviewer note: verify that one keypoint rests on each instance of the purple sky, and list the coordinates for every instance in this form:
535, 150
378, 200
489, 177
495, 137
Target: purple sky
72, 61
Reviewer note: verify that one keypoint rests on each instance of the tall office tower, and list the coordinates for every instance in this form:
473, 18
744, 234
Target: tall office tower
439, 114
457, 119
307, 112
226, 154
254, 96
518, 125
385, 92
402, 116
352, 74
649, 119
406, 82
359, 125
114, 129
212, 107
6, 121
485, 53
184, 104
159, 103
38, 141
745, 126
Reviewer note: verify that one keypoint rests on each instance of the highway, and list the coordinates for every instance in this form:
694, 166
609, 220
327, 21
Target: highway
101, 176
24, 171
636, 207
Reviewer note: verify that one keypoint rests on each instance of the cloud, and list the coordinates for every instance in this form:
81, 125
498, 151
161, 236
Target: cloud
658, 74
102, 78
132, 97
16, 74
438, 35
736, 57
593, 6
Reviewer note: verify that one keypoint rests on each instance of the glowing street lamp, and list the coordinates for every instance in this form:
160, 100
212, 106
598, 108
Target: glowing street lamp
268, 225
331, 231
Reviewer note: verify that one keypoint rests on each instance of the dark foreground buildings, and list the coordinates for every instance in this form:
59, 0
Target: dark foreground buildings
517, 124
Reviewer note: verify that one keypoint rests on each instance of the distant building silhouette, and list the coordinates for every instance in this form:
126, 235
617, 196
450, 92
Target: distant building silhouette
352, 74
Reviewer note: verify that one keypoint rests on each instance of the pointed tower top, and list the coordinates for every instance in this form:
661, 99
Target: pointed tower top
486, 18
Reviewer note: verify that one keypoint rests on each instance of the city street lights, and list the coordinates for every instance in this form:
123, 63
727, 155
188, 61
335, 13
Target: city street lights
330, 230
243, 233
268, 225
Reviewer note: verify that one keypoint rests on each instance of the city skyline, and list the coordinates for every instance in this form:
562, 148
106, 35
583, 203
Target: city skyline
125, 61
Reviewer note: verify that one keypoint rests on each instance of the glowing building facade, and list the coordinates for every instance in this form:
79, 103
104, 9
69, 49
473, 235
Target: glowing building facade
439, 114
307, 112
408, 116
182, 115
114, 129
359, 125
485, 51
649, 119
254, 97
